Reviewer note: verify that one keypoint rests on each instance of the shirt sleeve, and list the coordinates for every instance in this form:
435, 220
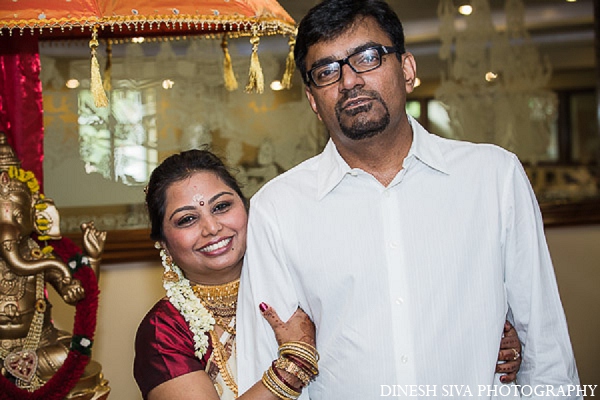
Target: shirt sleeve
532, 292
164, 348
265, 278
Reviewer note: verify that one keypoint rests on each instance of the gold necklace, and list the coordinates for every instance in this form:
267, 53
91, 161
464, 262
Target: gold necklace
220, 301
220, 357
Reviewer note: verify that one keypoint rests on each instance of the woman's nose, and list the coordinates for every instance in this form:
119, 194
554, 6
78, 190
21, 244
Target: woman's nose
211, 225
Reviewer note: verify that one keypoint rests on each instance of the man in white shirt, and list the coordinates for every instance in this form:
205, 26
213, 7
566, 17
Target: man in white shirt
407, 250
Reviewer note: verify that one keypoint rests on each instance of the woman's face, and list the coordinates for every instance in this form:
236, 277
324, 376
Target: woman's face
205, 228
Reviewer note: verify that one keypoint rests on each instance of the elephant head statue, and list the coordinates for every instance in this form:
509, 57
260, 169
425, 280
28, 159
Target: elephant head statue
32, 349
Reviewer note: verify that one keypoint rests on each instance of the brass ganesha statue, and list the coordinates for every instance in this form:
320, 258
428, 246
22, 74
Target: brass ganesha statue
32, 349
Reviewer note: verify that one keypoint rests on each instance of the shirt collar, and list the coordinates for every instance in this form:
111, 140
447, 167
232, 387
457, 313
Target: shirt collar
332, 167
425, 147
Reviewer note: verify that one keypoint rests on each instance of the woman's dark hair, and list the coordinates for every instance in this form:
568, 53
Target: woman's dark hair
174, 169
331, 18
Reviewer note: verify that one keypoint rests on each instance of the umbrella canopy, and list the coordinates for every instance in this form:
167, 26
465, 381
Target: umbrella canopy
108, 19
114, 18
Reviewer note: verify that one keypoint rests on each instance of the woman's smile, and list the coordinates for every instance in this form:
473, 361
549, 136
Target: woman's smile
214, 247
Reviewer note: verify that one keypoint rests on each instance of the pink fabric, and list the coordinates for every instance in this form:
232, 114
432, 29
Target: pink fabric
21, 108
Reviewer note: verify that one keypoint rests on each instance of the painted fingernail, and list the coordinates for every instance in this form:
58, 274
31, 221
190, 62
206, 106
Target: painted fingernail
503, 379
263, 307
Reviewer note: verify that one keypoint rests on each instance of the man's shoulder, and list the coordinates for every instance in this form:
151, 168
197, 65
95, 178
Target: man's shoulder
296, 178
455, 150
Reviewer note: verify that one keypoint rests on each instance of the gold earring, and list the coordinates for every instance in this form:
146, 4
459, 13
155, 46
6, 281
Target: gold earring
169, 275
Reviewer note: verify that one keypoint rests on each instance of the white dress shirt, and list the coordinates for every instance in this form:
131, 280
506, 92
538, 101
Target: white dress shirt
409, 285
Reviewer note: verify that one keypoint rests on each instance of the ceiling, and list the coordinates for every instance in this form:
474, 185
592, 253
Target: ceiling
563, 31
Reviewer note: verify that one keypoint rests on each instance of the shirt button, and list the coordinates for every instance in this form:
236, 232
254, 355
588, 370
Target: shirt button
404, 359
386, 194
354, 173
399, 301
394, 245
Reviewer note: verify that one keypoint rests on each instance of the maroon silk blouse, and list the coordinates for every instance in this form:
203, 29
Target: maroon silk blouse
164, 348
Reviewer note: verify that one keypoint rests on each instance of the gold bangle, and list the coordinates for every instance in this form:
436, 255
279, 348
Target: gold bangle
271, 387
307, 359
303, 345
291, 367
278, 388
282, 385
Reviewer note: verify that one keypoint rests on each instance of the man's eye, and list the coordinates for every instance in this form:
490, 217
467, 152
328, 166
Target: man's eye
368, 58
327, 72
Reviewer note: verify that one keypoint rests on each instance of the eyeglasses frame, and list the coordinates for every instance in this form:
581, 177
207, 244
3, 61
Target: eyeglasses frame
381, 50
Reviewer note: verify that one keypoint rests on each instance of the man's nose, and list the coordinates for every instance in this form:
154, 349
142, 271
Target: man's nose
350, 79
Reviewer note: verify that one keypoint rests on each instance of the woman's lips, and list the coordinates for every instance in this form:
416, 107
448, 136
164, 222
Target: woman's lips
216, 246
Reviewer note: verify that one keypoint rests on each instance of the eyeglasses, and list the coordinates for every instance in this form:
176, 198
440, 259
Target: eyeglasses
361, 61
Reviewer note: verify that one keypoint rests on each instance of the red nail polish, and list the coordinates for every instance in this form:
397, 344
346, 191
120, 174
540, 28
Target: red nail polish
263, 307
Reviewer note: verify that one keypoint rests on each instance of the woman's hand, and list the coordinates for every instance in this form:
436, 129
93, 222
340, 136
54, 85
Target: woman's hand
510, 351
298, 328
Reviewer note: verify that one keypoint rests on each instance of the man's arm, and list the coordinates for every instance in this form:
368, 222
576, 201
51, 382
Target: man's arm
532, 291
265, 278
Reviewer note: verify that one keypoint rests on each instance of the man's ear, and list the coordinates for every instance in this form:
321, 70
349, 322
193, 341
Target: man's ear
409, 69
311, 101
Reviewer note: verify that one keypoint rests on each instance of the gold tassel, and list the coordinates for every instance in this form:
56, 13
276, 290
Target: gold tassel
108, 70
290, 65
256, 80
100, 99
228, 75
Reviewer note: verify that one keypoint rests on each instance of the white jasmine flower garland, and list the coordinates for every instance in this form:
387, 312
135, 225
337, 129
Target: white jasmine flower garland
181, 295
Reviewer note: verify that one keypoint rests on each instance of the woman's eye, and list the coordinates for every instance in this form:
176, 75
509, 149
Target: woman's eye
222, 207
188, 219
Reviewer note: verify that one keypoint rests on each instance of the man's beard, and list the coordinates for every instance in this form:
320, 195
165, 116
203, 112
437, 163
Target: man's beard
362, 128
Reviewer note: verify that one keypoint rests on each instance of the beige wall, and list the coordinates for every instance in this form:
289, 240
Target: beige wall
576, 255
128, 291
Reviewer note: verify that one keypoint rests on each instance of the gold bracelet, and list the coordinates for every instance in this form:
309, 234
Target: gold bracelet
301, 344
309, 351
307, 359
291, 367
271, 387
280, 383
277, 387
305, 346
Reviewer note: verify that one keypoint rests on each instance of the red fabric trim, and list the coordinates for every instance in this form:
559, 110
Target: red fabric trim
21, 107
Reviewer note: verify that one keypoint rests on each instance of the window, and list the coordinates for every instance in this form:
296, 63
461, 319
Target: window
129, 154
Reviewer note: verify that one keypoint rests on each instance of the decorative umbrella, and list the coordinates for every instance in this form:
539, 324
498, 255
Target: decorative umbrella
106, 19
25, 22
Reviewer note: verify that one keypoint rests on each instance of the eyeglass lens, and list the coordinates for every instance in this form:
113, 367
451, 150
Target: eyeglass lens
363, 61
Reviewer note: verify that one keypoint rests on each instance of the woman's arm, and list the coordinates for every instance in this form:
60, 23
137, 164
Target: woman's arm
198, 386
193, 386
